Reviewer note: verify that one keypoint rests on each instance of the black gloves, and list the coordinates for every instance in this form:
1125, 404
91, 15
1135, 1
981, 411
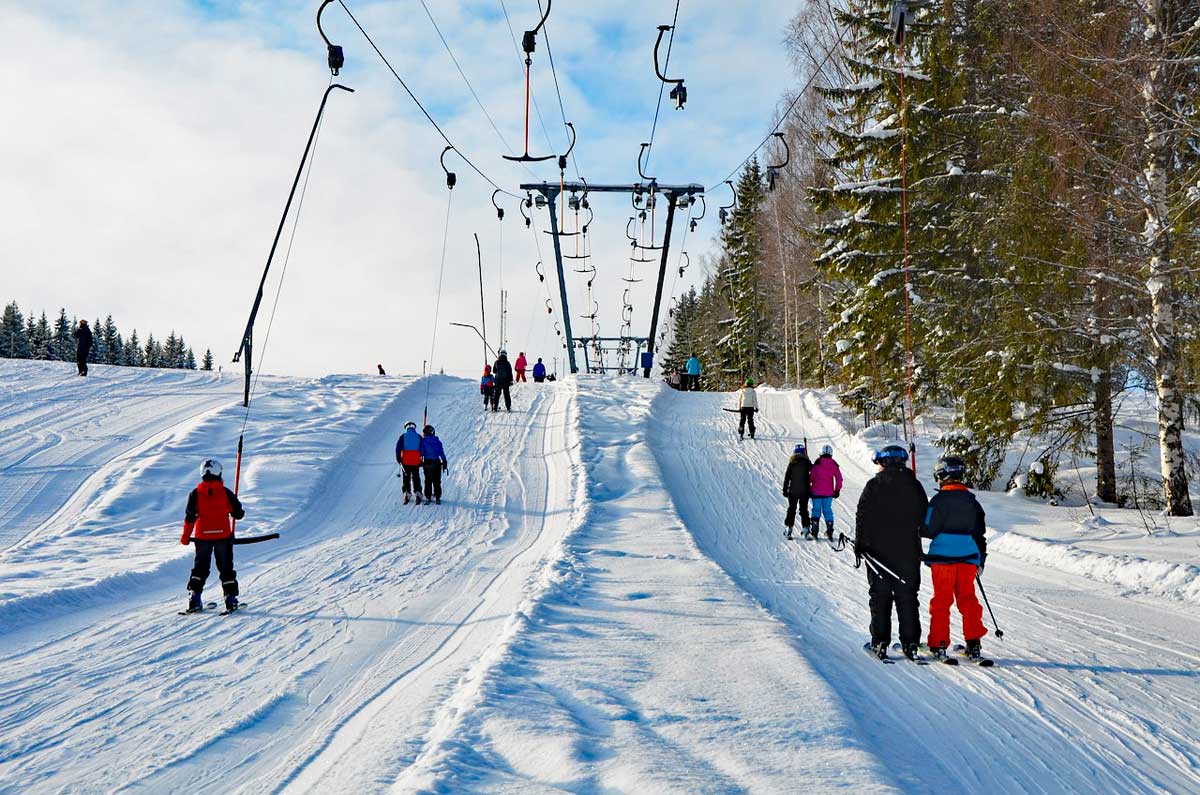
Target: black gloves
837, 495
445, 466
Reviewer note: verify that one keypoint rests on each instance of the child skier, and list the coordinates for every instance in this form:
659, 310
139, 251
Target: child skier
487, 387
955, 522
408, 456
521, 365
887, 538
826, 486
796, 489
747, 406
206, 524
433, 460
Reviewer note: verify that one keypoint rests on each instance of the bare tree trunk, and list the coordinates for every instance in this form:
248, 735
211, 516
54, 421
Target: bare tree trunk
1160, 139
1106, 462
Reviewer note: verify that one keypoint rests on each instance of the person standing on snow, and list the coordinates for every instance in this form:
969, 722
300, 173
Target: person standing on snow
796, 489
433, 459
408, 456
206, 524
381, 372
521, 364
503, 373
539, 371
487, 388
747, 407
83, 346
826, 482
887, 537
956, 522
693, 374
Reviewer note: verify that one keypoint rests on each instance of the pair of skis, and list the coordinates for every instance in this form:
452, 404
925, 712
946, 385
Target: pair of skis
959, 650
210, 606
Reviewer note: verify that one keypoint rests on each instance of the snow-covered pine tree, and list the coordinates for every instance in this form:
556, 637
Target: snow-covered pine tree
40, 338
14, 341
112, 345
743, 345
134, 354
189, 360
207, 362
152, 355
62, 345
99, 351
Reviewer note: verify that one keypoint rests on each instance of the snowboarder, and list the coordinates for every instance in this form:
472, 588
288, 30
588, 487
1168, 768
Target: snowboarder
487, 387
747, 407
433, 460
796, 489
206, 524
887, 537
539, 371
826, 482
381, 372
83, 346
503, 373
521, 364
693, 374
955, 522
408, 456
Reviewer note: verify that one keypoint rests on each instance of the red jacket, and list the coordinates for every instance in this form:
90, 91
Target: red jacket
521, 363
209, 507
825, 477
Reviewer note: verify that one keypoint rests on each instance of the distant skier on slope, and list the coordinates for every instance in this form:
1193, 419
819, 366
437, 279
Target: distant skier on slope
433, 460
955, 521
209, 507
539, 371
487, 388
503, 373
826, 482
521, 365
887, 536
796, 489
692, 369
747, 407
381, 370
408, 456
83, 346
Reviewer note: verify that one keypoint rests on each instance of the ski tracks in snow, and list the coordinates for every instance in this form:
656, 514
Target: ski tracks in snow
1093, 692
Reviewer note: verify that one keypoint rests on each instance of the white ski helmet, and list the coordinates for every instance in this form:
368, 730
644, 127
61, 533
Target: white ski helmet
211, 467
827, 450
410, 424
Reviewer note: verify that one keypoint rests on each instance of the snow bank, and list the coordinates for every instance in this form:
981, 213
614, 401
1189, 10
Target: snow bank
1179, 581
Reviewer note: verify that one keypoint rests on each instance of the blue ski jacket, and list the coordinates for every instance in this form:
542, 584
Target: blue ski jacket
539, 370
431, 449
693, 366
955, 521
408, 447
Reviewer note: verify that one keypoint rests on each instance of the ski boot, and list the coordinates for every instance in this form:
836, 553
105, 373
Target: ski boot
195, 603
231, 603
974, 650
407, 497
880, 649
829, 531
939, 654
438, 500
912, 651
418, 497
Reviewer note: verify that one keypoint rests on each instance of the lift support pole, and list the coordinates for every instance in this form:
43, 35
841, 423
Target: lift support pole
552, 191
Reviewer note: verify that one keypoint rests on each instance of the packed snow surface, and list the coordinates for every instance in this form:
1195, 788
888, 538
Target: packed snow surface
604, 602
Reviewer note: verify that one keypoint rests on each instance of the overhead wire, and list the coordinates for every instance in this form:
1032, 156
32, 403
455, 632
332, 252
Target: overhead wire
520, 58
437, 306
420, 106
554, 73
662, 86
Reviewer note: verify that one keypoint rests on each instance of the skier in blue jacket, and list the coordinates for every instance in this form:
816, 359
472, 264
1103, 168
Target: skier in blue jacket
693, 375
433, 459
408, 456
539, 372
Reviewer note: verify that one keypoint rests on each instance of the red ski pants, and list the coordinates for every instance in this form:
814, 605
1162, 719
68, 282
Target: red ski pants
520, 375
954, 582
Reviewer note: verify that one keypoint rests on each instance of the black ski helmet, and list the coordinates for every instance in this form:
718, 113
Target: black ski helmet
949, 467
428, 430
892, 455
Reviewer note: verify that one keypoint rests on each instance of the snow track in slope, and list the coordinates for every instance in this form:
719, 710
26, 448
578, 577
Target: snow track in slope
1093, 692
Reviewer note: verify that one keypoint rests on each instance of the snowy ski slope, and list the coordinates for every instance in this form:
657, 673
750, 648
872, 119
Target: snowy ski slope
603, 603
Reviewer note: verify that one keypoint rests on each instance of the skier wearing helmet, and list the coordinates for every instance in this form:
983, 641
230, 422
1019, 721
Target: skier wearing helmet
408, 456
487, 388
433, 460
796, 489
888, 524
826, 482
747, 407
206, 525
503, 372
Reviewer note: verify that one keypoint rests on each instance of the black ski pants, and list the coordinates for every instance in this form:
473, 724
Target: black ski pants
793, 502
487, 398
222, 550
412, 478
433, 479
746, 415
502, 390
885, 591
81, 362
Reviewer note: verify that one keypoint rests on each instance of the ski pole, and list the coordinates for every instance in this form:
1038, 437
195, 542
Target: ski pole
885, 569
999, 632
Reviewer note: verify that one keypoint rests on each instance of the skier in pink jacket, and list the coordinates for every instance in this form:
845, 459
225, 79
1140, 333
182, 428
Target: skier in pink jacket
825, 481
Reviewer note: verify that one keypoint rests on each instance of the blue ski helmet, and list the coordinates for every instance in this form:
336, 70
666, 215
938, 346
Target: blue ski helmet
799, 450
892, 455
949, 467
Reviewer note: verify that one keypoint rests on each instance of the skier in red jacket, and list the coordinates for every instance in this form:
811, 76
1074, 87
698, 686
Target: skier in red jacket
521, 365
206, 524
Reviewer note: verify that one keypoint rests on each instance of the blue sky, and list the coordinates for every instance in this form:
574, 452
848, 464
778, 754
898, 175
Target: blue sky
158, 138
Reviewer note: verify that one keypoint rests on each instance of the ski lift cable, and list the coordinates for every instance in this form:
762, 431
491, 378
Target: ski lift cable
287, 258
417, 102
520, 59
561, 109
467, 81
787, 112
662, 86
437, 306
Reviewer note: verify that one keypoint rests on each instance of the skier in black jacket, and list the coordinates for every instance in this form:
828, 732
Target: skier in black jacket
888, 524
796, 489
83, 346
503, 373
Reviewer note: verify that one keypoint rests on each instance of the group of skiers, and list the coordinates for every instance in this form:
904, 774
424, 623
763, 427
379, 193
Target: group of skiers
498, 378
417, 451
892, 516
